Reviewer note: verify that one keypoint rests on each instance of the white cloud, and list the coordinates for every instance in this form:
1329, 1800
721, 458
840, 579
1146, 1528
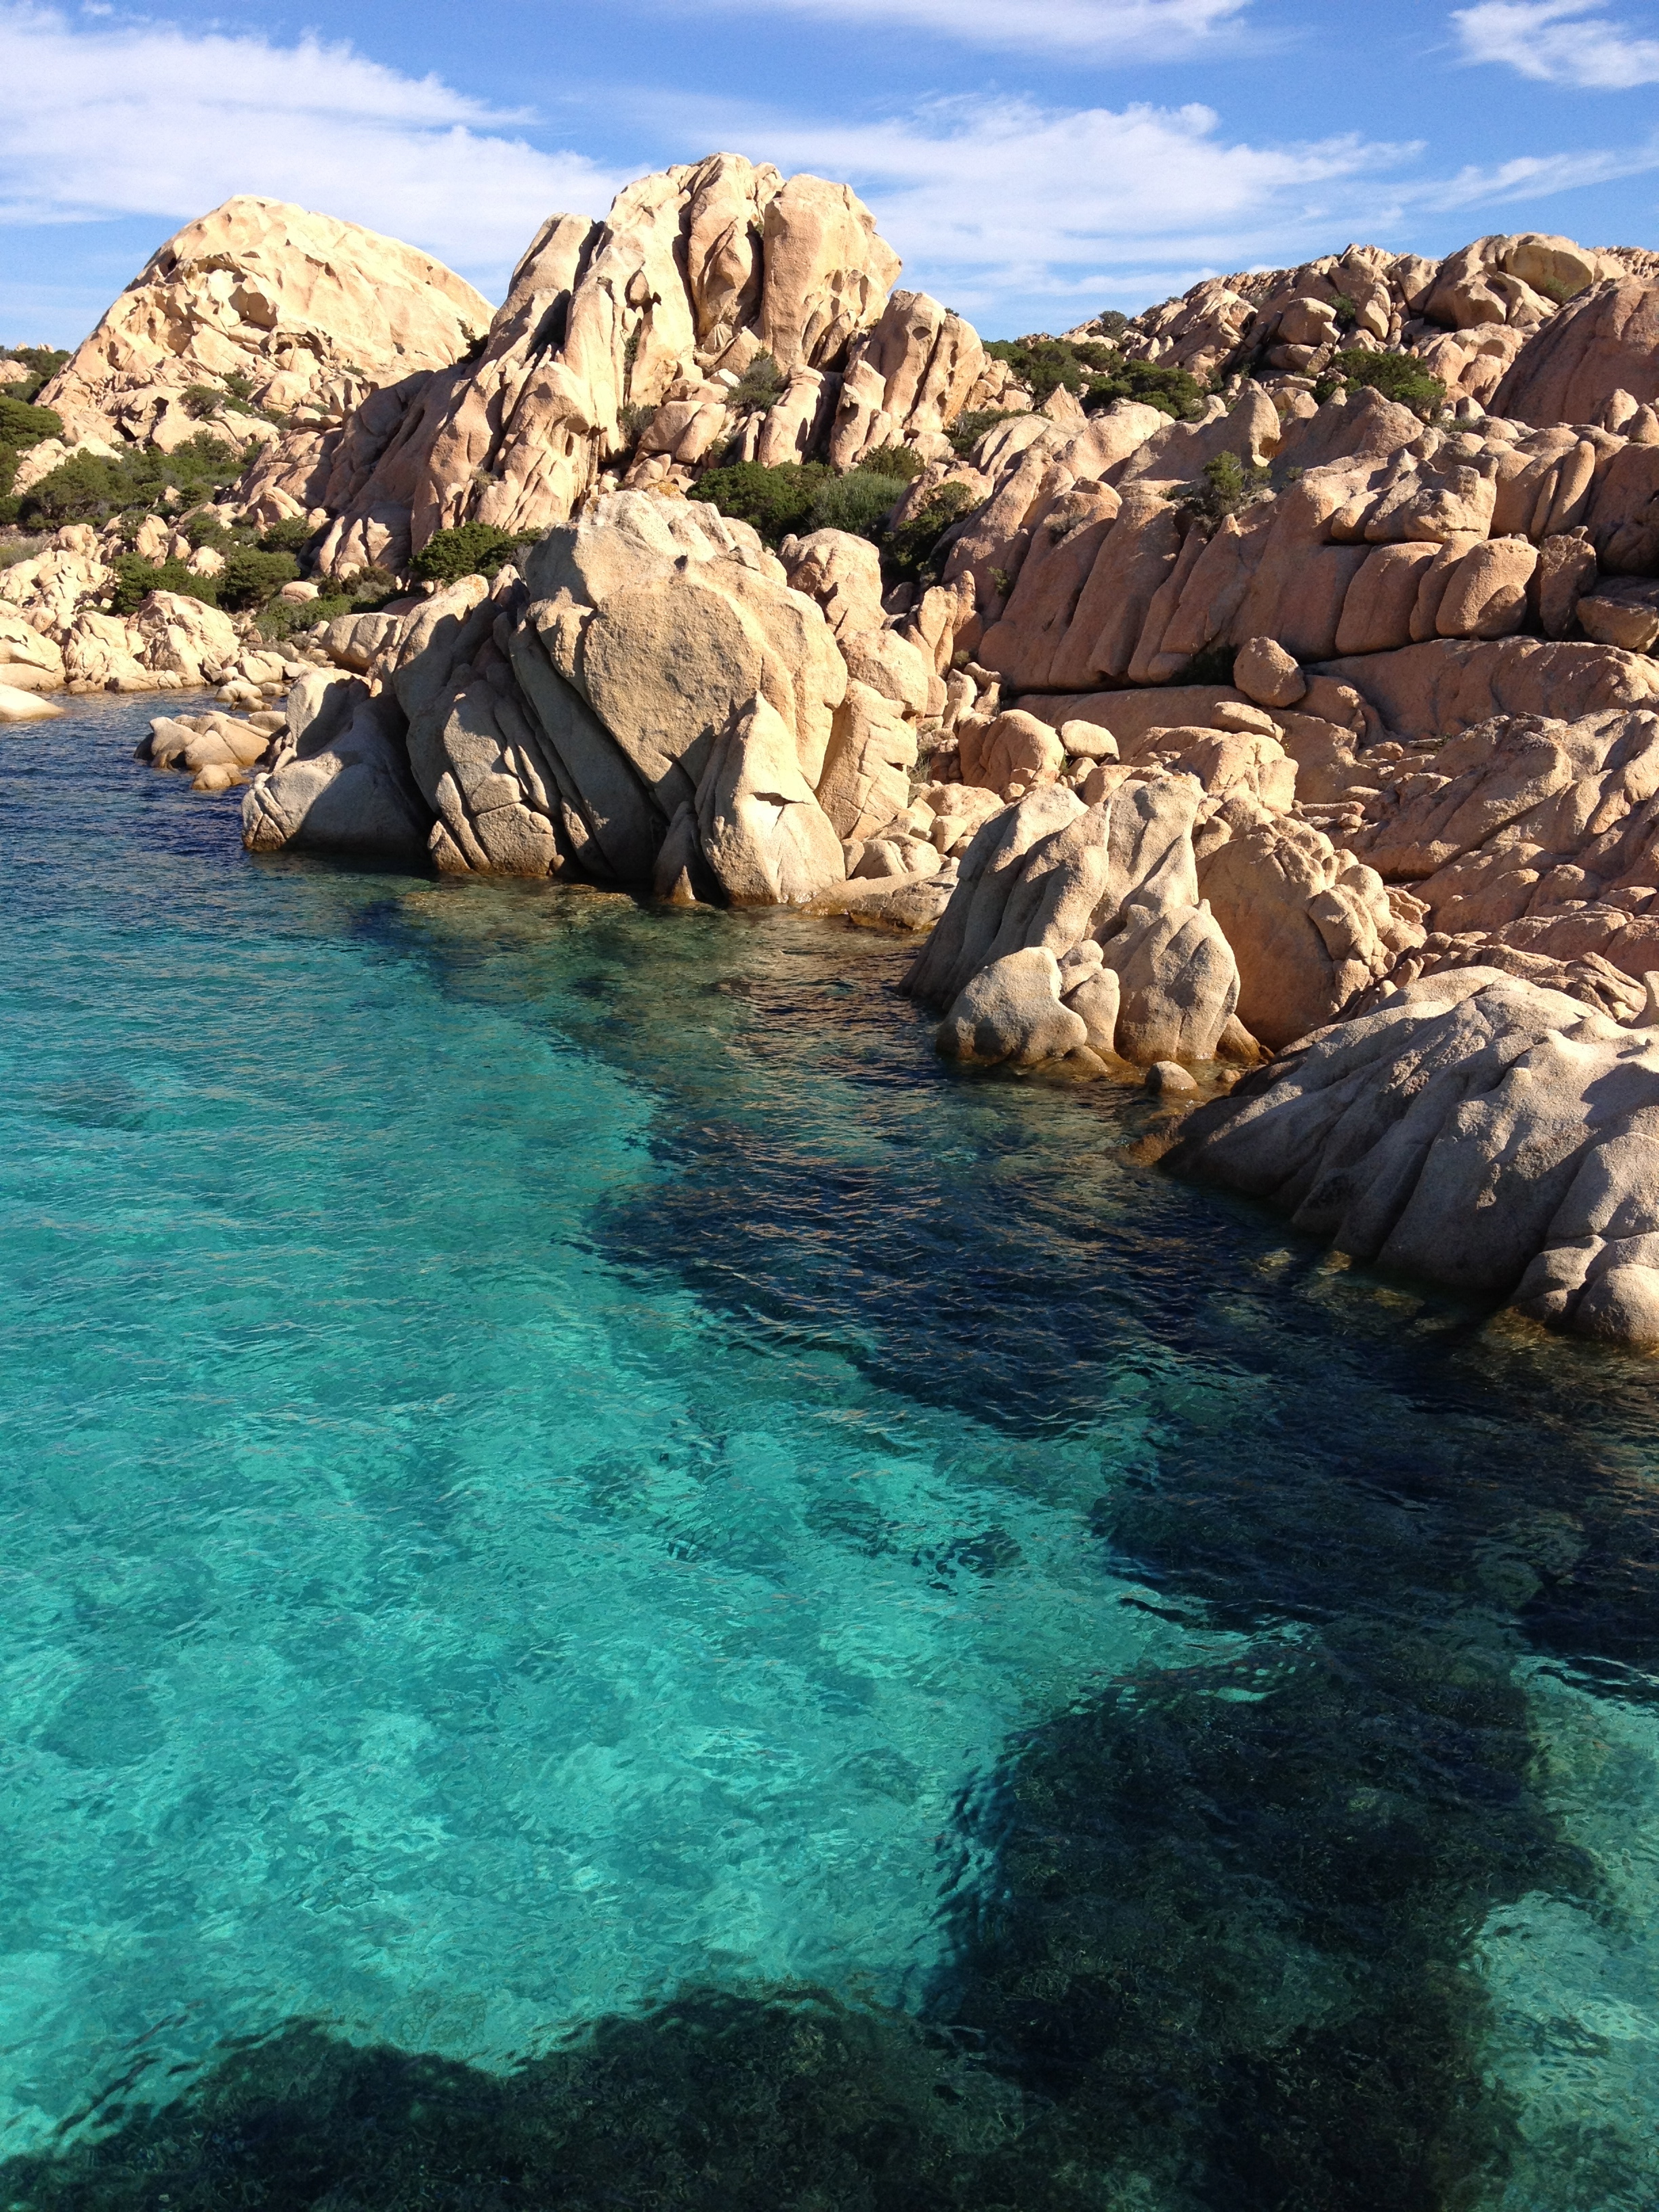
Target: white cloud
1108, 30
992, 200
1558, 42
147, 119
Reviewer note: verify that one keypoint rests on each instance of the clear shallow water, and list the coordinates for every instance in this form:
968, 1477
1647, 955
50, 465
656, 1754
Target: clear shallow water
553, 1460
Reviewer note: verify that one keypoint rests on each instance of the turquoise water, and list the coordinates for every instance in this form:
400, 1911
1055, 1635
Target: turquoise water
562, 1480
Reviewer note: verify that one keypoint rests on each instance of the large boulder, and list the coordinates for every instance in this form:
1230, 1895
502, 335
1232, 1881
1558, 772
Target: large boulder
1475, 1130
341, 783
1605, 340
1310, 928
312, 311
763, 836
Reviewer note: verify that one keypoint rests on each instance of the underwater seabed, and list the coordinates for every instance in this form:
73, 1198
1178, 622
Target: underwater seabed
619, 1590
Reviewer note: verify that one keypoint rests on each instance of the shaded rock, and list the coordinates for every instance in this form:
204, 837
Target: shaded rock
1010, 1010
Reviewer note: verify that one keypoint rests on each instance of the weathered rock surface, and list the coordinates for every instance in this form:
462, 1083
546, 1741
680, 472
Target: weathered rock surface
313, 312
1475, 1131
694, 272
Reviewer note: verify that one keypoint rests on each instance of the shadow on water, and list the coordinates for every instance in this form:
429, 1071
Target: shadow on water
1222, 1959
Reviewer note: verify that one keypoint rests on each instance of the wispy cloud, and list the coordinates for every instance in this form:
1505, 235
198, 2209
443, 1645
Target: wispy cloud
144, 119
990, 198
1558, 42
1102, 30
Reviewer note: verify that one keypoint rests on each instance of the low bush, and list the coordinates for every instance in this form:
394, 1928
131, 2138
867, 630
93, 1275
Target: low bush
22, 426
470, 549
761, 387
907, 553
778, 501
201, 402
1400, 377
859, 503
1174, 392
1224, 486
893, 461
291, 535
250, 577
634, 421
87, 488
42, 362
136, 578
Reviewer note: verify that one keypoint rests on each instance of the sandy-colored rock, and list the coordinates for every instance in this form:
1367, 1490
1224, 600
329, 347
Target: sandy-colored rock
1177, 980
1010, 1010
1309, 927
343, 784
18, 706
1265, 672
1606, 340
310, 309
1475, 1130
765, 838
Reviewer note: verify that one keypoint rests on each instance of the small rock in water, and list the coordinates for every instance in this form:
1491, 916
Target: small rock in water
1167, 1078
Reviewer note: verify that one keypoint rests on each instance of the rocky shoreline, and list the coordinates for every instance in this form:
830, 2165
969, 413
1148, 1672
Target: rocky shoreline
1291, 746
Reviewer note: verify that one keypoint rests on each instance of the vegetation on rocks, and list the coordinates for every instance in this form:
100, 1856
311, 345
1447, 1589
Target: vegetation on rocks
470, 549
1098, 374
42, 362
250, 578
778, 501
760, 387
1398, 376
90, 488
908, 554
21, 427
1224, 486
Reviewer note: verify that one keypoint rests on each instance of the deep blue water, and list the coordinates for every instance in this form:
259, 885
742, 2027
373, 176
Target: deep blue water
618, 1589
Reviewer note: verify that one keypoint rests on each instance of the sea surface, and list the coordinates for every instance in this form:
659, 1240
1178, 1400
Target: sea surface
618, 1590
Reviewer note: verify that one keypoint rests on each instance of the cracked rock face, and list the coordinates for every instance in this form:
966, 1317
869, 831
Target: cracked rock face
1475, 1130
312, 311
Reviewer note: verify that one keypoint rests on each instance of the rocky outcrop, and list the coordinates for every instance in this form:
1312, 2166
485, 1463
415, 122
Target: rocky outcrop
1469, 316
313, 313
1475, 1131
1604, 343
693, 274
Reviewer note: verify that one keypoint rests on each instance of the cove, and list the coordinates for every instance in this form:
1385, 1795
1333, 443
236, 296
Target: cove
618, 1589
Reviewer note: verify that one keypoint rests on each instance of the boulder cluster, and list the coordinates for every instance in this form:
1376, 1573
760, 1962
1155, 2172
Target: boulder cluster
1301, 756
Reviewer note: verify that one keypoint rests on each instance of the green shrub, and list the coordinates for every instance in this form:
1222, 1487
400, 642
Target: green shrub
1346, 314
42, 362
893, 461
966, 430
1112, 323
1224, 486
250, 577
907, 553
1400, 377
136, 578
207, 528
470, 549
1556, 289
201, 402
1173, 392
859, 503
22, 426
86, 487
291, 535
634, 421
761, 387
778, 501
1044, 364
238, 387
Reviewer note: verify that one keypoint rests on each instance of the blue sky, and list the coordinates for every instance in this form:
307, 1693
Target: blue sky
1033, 160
